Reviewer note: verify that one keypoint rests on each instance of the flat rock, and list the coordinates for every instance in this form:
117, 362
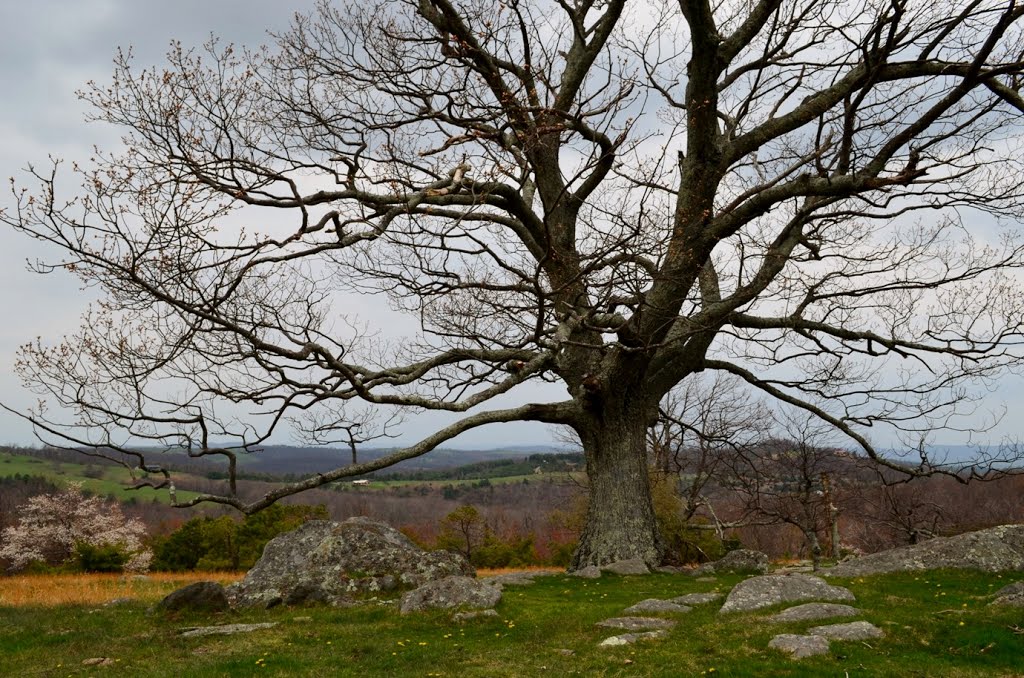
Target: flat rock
224, 629
636, 623
1011, 595
627, 567
630, 638
588, 572
202, 596
740, 561
768, 590
858, 630
696, 598
813, 611
475, 614
798, 646
449, 593
992, 550
98, 661
656, 605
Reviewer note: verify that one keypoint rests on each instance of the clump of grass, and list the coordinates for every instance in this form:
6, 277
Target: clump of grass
52, 590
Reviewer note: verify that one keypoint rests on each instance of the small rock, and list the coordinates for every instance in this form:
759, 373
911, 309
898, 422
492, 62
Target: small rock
98, 661
799, 647
1011, 595
631, 566
476, 614
524, 578
858, 630
224, 629
565, 652
696, 598
636, 623
768, 590
1013, 589
812, 611
206, 596
302, 619
588, 572
630, 638
707, 579
656, 605
451, 592
117, 602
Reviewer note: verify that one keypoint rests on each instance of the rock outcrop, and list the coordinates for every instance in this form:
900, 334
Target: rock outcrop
798, 646
768, 590
992, 550
1011, 595
335, 563
740, 561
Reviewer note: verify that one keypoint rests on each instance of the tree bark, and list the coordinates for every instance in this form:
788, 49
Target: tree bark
620, 521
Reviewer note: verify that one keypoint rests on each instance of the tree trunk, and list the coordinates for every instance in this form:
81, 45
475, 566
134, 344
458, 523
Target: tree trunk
620, 522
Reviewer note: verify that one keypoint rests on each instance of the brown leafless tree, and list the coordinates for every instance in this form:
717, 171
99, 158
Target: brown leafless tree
612, 197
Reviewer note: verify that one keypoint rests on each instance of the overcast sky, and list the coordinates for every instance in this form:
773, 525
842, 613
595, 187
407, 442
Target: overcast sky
50, 48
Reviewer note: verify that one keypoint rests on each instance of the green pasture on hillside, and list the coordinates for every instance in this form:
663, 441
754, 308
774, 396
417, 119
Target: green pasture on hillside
111, 480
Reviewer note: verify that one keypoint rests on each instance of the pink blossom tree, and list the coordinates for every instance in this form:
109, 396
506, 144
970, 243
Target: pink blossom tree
51, 526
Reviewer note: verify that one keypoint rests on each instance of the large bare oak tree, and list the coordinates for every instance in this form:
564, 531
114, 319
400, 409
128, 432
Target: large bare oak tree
815, 196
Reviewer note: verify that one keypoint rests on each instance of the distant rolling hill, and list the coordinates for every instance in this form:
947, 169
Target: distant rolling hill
284, 460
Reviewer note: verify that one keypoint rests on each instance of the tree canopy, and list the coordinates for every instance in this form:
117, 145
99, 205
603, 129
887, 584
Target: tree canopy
817, 197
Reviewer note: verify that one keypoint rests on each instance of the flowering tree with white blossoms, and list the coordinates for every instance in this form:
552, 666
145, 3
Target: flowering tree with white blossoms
51, 526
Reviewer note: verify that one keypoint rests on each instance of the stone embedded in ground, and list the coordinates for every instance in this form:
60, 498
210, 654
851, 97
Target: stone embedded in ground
656, 605
565, 652
636, 623
630, 638
518, 578
224, 629
740, 561
202, 596
329, 562
765, 591
627, 567
858, 630
992, 550
1011, 595
98, 661
450, 593
696, 598
588, 572
798, 646
813, 611
475, 614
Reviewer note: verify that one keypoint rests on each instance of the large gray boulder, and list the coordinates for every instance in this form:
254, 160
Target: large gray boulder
202, 596
451, 593
740, 561
334, 563
627, 567
768, 590
992, 550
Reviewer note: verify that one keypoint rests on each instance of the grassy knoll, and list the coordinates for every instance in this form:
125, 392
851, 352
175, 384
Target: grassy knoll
937, 624
101, 480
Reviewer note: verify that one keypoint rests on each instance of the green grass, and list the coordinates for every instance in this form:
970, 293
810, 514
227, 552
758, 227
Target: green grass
113, 480
921, 615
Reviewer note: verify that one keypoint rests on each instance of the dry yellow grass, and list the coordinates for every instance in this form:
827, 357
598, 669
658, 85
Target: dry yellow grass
50, 590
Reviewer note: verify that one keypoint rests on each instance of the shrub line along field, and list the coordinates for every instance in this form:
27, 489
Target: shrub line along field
936, 624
